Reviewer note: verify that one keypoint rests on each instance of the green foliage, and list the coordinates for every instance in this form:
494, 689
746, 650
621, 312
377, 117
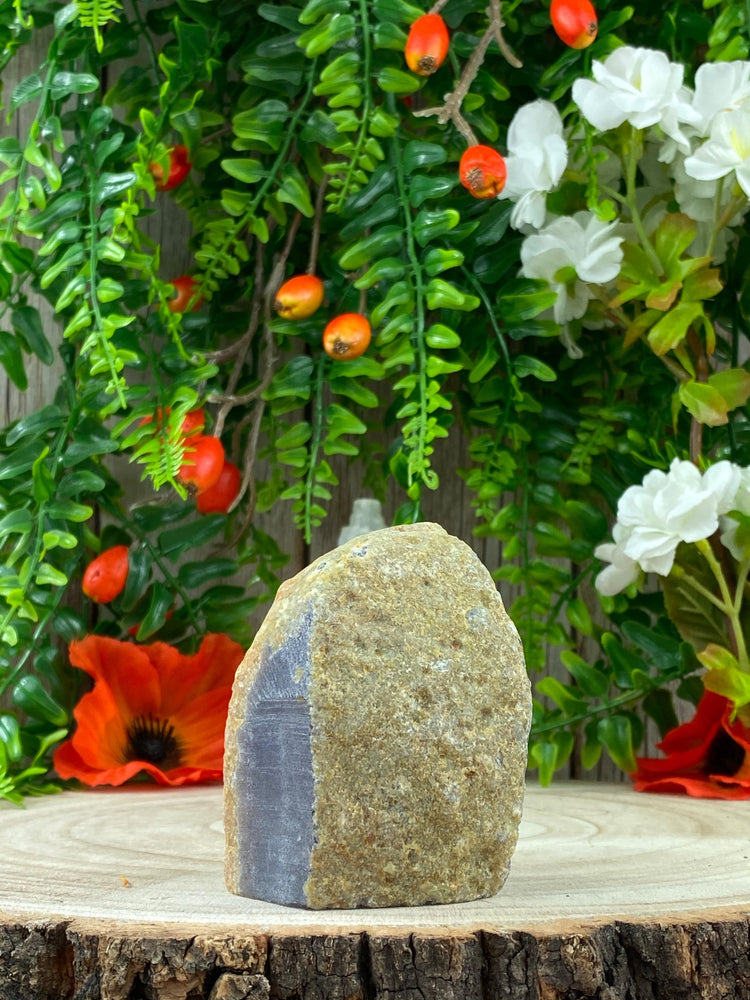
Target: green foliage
311, 151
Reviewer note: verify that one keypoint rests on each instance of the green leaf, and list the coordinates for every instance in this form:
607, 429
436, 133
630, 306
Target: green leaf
733, 385
562, 695
293, 379
64, 84
110, 185
295, 191
36, 702
671, 238
616, 733
672, 328
246, 170
418, 154
423, 187
397, 81
592, 682
139, 573
197, 574
524, 365
544, 756
20, 460
440, 336
704, 402
47, 575
160, 602
10, 736
437, 260
68, 510
431, 224
384, 241
28, 89
61, 207
12, 360
442, 295
523, 299
59, 539
658, 705
177, 541
77, 484
42, 480
724, 675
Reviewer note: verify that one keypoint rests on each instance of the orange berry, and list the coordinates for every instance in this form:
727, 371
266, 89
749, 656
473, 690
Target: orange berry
106, 575
482, 171
346, 336
574, 22
427, 44
185, 289
179, 168
299, 297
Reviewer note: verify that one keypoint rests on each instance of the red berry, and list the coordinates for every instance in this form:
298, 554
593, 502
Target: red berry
179, 168
193, 422
204, 460
574, 21
220, 497
427, 44
105, 576
186, 288
346, 336
482, 171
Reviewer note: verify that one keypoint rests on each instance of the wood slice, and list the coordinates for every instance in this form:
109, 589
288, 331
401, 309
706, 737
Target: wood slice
613, 895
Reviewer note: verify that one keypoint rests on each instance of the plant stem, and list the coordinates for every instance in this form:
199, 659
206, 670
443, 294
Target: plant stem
417, 337
317, 436
732, 605
631, 166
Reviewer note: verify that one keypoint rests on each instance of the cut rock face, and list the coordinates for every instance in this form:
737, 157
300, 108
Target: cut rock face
377, 734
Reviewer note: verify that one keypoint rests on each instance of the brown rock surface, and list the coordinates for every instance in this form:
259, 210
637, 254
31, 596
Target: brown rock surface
376, 741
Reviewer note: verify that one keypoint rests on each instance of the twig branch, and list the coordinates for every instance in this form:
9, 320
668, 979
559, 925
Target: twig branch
228, 399
438, 6
315, 238
497, 24
450, 110
248, 484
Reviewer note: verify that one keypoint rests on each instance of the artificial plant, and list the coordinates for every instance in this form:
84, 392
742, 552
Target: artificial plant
313, 149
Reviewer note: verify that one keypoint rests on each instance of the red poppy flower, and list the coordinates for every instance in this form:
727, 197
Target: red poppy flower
708, 757
151, 709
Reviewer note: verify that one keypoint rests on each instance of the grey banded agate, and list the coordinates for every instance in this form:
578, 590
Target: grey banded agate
377, 733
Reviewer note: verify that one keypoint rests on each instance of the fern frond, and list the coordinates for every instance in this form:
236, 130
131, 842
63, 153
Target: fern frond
95, 14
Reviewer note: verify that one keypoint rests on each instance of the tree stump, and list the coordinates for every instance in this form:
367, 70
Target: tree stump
119, 895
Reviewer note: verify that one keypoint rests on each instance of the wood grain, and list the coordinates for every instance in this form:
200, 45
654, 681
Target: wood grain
612, 895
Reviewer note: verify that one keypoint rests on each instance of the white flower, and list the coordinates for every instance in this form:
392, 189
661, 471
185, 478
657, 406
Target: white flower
570, 253
623, 570
669, 508
537, 157
740, 501
719, 87
640, 86
724, 480
726, 150
695, 198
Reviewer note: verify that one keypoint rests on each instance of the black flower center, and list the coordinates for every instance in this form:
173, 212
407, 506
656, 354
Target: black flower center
153, 740
725, 756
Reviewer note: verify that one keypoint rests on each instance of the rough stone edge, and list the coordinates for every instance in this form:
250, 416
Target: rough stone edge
676, 958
